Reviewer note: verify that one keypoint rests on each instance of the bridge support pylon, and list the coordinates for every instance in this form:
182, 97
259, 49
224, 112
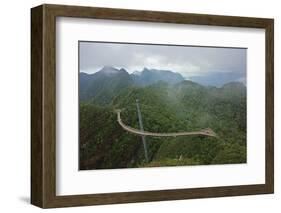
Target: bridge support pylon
141, 128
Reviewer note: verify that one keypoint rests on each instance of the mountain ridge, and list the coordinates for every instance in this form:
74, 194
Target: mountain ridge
103, 85
150, 76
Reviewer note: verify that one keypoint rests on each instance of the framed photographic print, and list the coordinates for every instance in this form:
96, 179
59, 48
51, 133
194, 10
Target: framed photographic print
136, 106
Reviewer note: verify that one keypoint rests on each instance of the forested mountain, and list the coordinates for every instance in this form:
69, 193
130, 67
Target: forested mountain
165, 107
151, 76
102, 86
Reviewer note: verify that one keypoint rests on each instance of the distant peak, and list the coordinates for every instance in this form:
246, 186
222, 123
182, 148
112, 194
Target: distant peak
145, 69
108, 70
123, 70
150, 76
158, 71
106, 67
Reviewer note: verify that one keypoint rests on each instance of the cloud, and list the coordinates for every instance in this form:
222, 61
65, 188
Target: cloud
186, 60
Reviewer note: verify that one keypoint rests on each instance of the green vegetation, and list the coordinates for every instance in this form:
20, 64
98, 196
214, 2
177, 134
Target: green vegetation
185, 106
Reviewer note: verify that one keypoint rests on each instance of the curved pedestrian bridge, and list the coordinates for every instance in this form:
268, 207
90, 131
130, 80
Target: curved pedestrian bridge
205, 132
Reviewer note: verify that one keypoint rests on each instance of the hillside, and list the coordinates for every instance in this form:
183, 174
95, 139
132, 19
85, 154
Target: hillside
102, 86
182, 106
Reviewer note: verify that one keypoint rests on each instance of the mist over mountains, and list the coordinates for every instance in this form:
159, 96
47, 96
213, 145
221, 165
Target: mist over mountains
218, 79
164, 89
109, 79
168, 103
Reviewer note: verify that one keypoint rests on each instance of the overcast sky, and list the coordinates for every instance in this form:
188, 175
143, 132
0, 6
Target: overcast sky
186, 60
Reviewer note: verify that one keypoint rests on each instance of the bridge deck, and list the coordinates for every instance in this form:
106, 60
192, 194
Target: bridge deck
204, 132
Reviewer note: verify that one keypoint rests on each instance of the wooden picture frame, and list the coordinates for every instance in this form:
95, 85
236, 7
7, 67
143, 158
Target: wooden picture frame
43, 105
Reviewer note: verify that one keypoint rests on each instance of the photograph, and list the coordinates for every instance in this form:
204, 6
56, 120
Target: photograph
160, 105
